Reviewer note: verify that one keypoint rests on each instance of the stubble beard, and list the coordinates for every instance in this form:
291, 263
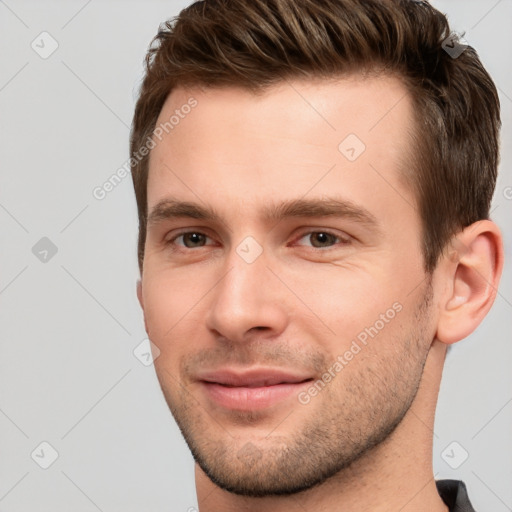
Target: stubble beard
342, 426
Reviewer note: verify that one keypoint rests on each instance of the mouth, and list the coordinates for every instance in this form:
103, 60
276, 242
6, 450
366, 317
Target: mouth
252, 390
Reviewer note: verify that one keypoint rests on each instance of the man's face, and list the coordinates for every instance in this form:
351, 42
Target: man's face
313, 258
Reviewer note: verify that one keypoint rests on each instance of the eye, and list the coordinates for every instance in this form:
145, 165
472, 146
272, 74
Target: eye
189, 239
323, 239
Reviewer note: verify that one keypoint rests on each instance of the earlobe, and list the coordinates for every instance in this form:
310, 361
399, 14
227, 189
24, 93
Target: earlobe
473, 275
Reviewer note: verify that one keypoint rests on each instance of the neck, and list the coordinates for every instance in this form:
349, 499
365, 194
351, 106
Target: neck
395, 475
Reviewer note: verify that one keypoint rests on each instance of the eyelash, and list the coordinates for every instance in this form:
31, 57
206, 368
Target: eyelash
342, 240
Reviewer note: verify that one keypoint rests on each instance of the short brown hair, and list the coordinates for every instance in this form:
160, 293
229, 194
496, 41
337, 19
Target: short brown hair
257, 43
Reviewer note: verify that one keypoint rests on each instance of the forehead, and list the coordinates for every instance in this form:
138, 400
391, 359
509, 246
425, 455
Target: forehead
348, 134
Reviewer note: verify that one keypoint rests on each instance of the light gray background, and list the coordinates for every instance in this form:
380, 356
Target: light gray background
68, 375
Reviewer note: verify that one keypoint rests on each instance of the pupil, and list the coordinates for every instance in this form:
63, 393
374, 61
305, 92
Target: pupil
194, 238
322, 238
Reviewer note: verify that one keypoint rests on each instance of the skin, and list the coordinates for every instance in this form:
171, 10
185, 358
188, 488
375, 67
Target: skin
364, 443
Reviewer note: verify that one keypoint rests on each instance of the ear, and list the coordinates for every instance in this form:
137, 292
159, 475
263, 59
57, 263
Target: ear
141, 302
139, 293
471, 268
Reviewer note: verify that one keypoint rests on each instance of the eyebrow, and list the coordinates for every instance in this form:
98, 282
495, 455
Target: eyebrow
322, 207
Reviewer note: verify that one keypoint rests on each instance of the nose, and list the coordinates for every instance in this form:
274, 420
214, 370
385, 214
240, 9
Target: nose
249, 300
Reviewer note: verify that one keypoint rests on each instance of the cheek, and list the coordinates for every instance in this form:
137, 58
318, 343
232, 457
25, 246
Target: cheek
354, 320
355, 312
346, 299
168, 301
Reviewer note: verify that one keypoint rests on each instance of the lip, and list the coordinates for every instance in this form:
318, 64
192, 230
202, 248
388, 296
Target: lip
251, 390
